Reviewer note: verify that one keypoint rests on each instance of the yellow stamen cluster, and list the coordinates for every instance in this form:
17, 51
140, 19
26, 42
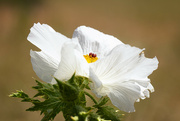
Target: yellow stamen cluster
90, 59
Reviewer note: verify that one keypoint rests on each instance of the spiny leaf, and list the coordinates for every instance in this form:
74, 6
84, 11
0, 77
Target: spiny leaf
24, 96
50, 107
50, 114
42, 85
45, 105
67, 91
72, 82
19, 94
68, 97
47, 90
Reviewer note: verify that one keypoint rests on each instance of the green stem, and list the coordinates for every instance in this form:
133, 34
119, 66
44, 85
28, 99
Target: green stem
100, 99
92, 98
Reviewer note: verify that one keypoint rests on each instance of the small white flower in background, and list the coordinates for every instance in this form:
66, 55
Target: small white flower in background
117, 70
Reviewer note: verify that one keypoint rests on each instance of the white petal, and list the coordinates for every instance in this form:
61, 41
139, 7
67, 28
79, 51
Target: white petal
145, 91
48, 40
116, 64
92, 40
117, 73
97, 84
44, 65
140, 75
123, 95
150, 87
72, 61
94, 78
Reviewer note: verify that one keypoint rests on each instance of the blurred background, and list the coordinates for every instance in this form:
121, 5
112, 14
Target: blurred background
150, 24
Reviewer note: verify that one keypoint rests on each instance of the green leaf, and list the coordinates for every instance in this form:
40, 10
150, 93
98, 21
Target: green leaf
101, 102
72, 82
74, 110
109, 113
19, 94
81, 81
46, 90
45, 105
50, 107
81, 99
69, 92
24, 96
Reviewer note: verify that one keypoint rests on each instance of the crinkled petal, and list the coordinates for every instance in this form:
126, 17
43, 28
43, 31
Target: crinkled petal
47, 39
72, 61
118, 70
92, 40
44, 65
145, 91
144, 67
123, 95
124, 63
150, 87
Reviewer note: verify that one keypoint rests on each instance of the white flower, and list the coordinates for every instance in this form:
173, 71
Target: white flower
116, 69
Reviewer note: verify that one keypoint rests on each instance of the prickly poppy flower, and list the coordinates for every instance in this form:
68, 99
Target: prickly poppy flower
117, 70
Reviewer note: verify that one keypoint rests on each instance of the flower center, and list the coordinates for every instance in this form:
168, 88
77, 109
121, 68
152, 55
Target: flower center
91, 57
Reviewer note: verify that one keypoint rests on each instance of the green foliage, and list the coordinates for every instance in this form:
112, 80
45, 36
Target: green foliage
102, 102
68, 97
109, 113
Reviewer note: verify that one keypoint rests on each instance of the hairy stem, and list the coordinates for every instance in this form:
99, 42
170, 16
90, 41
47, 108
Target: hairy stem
92, 98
